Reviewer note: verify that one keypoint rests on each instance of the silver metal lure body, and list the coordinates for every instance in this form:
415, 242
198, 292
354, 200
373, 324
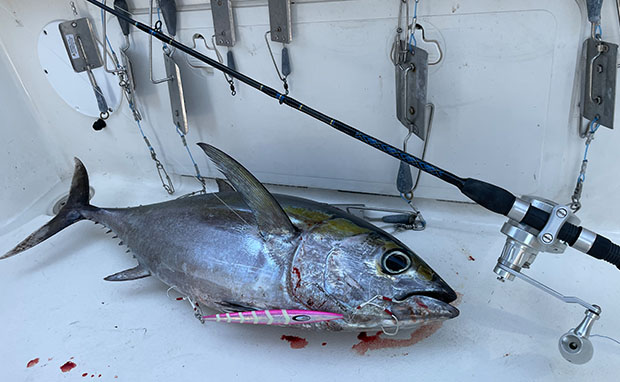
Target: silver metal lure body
246, 250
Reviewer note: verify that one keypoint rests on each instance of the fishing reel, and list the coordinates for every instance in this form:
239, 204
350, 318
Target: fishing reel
523, 244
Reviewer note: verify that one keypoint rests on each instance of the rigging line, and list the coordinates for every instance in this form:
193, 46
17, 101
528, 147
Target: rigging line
191, 157
428, 136
231, 209
606, 337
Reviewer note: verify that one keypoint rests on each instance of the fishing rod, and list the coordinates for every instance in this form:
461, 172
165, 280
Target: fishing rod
552, 224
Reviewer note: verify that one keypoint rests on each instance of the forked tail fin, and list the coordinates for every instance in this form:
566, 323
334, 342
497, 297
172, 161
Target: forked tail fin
72, 212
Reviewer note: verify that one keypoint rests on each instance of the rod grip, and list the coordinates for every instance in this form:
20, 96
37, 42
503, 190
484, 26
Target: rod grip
604, 249
488, 195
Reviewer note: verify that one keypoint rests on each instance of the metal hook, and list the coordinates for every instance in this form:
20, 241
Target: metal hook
105, 47
409, 195
282, 78
151, 49
431, 41
385, 310
229, 79
397, 326
431, 117
220, 59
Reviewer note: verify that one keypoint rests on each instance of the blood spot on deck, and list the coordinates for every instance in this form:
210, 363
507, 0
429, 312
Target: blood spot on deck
32, 362
295, 342
68, 366
84, 374
471, 258
377, 342
324, 343
459, 299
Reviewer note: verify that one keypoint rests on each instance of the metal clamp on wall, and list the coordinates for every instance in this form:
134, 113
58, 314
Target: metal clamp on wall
599, 96
280, 30
79, 40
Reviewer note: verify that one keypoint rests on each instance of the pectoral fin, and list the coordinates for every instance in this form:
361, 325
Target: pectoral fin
270, 217
135, 273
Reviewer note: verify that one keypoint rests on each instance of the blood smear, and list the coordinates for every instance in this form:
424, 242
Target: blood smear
296, 342
32, 362
68, 366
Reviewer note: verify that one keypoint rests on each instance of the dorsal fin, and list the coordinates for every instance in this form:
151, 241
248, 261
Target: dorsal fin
223, 186
270, 217
137, 272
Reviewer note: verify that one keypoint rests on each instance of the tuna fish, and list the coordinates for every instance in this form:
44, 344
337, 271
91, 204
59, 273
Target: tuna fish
243, 249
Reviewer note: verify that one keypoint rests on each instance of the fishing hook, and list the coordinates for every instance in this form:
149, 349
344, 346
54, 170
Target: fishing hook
385, 310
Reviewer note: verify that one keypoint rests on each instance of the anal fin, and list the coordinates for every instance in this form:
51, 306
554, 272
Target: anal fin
135, 273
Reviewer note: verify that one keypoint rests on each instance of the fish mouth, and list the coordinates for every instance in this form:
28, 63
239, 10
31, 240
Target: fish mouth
426, 305
446, 296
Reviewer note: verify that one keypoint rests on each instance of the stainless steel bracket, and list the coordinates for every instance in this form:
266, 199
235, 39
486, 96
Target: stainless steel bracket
83, 53
80, 32
599, 94
280, 21
177, 100
223, 22
411, 89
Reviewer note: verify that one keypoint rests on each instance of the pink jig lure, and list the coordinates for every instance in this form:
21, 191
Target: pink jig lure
274, 317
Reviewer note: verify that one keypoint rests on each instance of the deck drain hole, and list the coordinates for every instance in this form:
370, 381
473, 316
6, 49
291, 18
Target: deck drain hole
63, 200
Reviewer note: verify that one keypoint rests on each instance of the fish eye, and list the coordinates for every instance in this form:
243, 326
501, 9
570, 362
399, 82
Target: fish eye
395, 262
